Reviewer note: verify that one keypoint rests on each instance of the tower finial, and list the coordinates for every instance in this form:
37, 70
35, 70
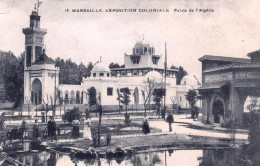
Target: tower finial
143, 36
38, 4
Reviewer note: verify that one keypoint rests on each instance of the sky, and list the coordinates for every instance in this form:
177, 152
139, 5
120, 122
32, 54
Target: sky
231, 30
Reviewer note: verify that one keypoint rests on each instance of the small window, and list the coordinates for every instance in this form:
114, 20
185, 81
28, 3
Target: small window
110, 91
107, 74
136, 61
184, 82
135, 74
180, 98
94, 74
136, 50
101, 74
145, 50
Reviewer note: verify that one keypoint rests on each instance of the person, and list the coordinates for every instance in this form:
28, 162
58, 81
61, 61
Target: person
36, 132
75, 128
22, 130
170, 120
87, 129
52, 128
43, 117
145, 126
32, 114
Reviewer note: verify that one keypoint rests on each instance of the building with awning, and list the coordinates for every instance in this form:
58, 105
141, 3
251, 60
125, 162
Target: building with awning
226, 83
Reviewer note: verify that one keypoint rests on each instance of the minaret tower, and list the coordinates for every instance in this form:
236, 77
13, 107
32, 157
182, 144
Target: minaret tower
34, 39
41, 76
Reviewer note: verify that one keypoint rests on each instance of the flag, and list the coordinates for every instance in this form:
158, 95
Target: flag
39, 4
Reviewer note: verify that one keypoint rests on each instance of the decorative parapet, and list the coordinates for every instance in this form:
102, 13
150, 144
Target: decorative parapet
32, 30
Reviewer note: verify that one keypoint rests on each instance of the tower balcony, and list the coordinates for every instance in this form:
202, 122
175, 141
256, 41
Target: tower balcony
32, 30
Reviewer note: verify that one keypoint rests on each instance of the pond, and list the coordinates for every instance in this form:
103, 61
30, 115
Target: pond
207, 157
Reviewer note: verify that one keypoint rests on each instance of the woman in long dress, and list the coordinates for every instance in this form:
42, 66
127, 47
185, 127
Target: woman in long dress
87, 129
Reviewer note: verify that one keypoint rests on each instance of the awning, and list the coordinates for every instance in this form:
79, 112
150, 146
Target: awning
213, 85
246, 83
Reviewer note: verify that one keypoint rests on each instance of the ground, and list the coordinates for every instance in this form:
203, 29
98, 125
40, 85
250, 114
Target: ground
186, 134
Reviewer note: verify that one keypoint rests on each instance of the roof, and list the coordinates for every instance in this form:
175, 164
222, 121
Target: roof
154, 76
100, 67
224, 59
44, 59
213, 85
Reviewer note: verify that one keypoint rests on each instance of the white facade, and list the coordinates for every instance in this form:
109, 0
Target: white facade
41, 77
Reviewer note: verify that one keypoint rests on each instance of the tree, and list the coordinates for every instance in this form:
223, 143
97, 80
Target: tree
157, 98
72, 115
100, 112
147, 93
191, 97
254, 125
11, 77
125, 99
46, 103
119, 98
180, 74
114, 65
92, 100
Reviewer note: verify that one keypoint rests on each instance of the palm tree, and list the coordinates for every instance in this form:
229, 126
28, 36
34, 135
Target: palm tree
191, 97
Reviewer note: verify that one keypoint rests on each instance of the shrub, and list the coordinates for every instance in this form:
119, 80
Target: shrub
72, 115
254, 129
127, 118
145, 127
94, 139
108, 138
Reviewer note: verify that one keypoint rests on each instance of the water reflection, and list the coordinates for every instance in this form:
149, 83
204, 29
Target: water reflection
211, 157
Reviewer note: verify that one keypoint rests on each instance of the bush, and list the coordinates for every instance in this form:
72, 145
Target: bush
108, 138
94, 139
145, 127
72, 115
127, 118
254, 129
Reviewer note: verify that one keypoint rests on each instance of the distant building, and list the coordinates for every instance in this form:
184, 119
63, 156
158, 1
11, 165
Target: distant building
41, 76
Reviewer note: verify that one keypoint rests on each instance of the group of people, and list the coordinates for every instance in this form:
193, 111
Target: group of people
51, 130
86, 129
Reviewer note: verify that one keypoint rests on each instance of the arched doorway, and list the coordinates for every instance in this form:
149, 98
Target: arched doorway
218, 110
72, 97
77, 97
36, 93
66, 97
136, 96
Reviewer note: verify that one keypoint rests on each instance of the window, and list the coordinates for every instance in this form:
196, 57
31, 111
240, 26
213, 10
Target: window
136, 61
135, 74
101, 74
136, 50
155, 61
107, 74
184, 82
180, 98
145, 50
110, 91
94, 74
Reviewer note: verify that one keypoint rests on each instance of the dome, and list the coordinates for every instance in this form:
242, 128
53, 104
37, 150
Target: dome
154, 76
141, 43
100, 67
143, 47
191, 81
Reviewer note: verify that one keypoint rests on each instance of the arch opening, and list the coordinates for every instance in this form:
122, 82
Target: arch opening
36, 92
218, 111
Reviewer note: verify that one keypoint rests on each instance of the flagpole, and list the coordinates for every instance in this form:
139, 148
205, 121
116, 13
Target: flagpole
165, 73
